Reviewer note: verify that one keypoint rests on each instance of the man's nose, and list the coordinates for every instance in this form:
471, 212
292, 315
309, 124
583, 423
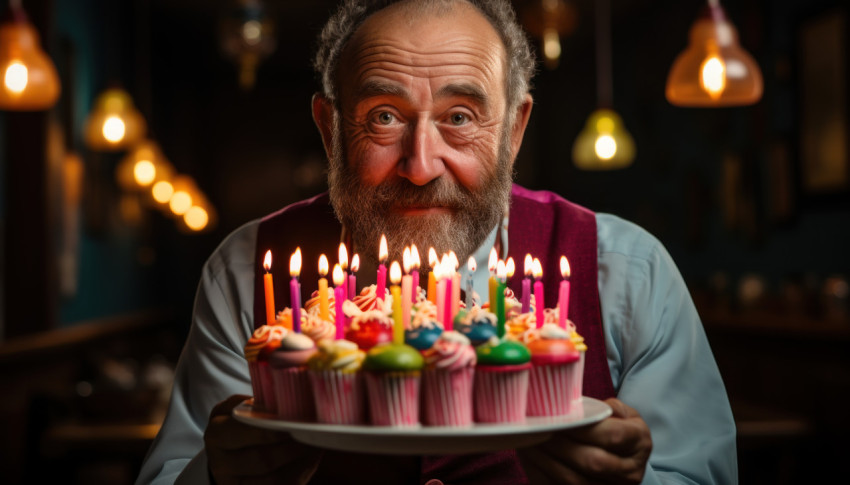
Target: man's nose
422, 160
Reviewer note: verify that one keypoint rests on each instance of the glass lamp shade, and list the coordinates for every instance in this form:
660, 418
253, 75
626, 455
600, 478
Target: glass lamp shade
29, 80
604, 143
143, 166
714, 70
114, 123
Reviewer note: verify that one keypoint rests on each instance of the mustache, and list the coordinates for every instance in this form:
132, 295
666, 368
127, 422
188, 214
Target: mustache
440, 192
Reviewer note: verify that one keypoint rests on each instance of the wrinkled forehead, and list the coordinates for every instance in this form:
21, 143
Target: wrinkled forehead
440, 40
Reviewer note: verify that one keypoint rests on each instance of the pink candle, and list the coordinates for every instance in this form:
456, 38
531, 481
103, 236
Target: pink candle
339, 297
539, 304
343, 263
440, 291
564, 293
406, 302
352, 278
415, 263
448, 320
295, 289
528, 267
383, 254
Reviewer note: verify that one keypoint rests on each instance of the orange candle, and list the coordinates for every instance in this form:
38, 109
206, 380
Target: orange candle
324, 304
269, 287
432, 282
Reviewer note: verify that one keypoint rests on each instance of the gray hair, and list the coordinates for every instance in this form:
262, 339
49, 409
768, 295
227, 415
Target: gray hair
520, 62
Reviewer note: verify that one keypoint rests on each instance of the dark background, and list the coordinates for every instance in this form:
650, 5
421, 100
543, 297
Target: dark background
762, 256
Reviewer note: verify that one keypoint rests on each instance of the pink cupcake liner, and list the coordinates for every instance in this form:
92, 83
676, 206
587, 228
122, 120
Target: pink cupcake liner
293, 394
550, 390
577, 379
499, 396
393, 399
267, 399
338, 397
447, 397
256, 385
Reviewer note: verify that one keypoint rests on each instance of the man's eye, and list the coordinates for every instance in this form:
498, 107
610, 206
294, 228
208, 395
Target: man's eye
385, 118
458, 119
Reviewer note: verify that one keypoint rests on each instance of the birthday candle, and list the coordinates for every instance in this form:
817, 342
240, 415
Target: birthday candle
395, 291
324, 305
455, 277
295, 289
492, 283
269, 287
564, 293
339, 297
343, 264
526, 283
432, 281
415, 263
406, 288
439, 293
471, 266
500, 299
352, 278
447, 272
538, 292
383, 254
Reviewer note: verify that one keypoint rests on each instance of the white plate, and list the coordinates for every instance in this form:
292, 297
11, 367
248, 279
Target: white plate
425, 440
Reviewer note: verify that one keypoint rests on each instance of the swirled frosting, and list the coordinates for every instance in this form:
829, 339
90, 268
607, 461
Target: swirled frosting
263, 337
295, 349
367, 300
312, 305
316, 328
452, 351
337, 355
552, 346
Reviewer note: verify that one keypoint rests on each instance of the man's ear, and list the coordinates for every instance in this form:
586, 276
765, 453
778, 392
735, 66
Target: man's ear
323, 117
523, 113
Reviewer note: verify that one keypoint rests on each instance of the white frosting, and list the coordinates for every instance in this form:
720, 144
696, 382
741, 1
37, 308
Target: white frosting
454, 337
297, 341
550, 331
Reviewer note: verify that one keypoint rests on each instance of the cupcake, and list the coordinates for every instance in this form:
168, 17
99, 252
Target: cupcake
424, 329
336, 382
261, 344
316, 328
312, 305
500, 390
578, 369
293, 395
552, 384
368, 328
392, 381
519, 324
447, 381
477, 324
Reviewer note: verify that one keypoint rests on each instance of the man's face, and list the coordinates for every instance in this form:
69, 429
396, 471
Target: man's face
420, 150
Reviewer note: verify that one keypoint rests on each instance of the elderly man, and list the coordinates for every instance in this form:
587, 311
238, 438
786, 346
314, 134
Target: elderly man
422, 112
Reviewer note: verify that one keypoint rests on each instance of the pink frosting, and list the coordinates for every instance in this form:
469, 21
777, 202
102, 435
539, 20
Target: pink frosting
450, 352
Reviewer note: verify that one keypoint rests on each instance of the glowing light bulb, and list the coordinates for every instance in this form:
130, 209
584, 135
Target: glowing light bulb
713, 76
551, 46
162, 191
180, 202
16, 77
196, 218
144, 172
605, 146
252, 30
114, 129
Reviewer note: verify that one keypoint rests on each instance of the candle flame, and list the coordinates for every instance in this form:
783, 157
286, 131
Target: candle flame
383, 253
405, 260
493, 261
355, 263
500, 270
471, 266
339, 278
343, 257
446, 266
538, 269
528, 265
565, 267
415, 262
395, 273
323, 266
510, 268
295, 263
438, 271
453, 260
432, 258
267, 261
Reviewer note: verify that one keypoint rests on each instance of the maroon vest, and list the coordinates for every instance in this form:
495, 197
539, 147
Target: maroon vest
541, 223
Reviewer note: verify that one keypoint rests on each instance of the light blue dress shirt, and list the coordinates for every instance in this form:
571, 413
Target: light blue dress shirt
658, 354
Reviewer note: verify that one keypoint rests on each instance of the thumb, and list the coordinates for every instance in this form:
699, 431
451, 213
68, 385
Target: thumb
225, 408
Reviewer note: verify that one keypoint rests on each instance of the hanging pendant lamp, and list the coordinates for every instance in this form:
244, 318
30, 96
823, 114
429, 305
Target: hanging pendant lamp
114, 123
714, 70
603, 143
29, 79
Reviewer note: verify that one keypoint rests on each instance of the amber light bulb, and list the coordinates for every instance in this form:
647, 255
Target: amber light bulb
114, 123
714, 70
28, 79
604, 143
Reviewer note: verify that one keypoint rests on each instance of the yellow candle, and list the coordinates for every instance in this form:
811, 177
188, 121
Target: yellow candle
395, 291
269, 287
324, 304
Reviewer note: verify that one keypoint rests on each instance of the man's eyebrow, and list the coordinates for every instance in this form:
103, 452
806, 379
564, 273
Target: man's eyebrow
374, 88
467, 90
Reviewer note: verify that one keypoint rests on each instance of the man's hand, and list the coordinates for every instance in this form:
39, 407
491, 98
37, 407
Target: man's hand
239, 453
615, 450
